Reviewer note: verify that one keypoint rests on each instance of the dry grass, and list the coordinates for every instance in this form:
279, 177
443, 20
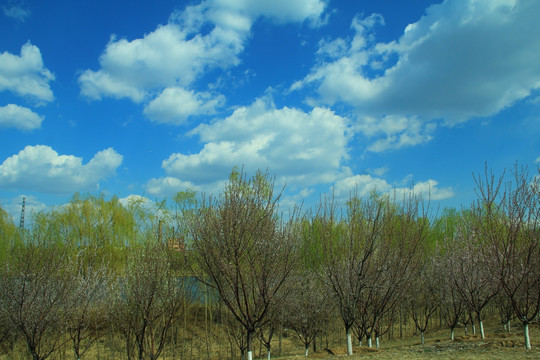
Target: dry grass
497, 345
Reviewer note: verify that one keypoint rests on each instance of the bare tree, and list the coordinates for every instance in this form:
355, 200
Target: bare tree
507, 218
149, 299
308, 309
401, 243
244, 249
471, 272
422, 297
85, 311
451, 303
35, 283
347, 244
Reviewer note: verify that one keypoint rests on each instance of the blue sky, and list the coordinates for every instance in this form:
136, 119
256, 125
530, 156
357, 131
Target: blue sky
146, 98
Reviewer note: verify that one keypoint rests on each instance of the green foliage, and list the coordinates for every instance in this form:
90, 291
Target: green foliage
9, 234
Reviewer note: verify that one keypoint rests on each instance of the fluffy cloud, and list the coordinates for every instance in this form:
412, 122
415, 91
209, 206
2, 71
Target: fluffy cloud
19, 117
365, 184
168, 186
175, 104
25, 74
168, 60
168, 56
305, 148
40, 168
462, 59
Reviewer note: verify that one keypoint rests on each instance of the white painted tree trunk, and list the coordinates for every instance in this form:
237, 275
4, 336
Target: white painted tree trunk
369, 343
250, 355
481, 329
422, 337
526, 335
508, 327
307, 351
473, 329
268, 354
452, 334
377, 343
349, 343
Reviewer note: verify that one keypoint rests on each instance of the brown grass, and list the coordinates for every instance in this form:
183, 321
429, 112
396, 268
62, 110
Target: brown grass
498, 344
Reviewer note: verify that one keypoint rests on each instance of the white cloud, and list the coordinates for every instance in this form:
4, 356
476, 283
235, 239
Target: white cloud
365, 184
175, 105
19, 117
168, 56
25, 74
282, 11
537, 160
379, 171
32, 206
301, 148
168, 186
180, 52
16, 12
40, 168
394, 131
136, 200
462, 59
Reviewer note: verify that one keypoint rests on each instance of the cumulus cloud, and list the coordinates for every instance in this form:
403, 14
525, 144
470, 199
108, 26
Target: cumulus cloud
301, 147
462, 59
136, 200
168, 56
168, 186
175, 105
168, 60
40, 168
365, 184
19, 117
25, 74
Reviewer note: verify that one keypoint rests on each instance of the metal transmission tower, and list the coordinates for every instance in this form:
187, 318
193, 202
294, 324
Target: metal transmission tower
21, 224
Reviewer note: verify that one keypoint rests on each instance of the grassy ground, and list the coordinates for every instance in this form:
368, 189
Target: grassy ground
497, 345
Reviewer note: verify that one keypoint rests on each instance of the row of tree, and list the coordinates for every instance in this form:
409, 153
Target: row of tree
98, 265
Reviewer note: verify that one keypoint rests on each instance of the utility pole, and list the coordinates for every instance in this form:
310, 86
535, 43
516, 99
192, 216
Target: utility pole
21, 224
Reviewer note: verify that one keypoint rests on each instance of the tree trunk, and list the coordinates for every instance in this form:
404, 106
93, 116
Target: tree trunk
526, 335
280, 340
508, 326
307, 351
422, 337
369, 343
377, 343
268, 353
249, 350
452, 334
349, 342
481, 324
